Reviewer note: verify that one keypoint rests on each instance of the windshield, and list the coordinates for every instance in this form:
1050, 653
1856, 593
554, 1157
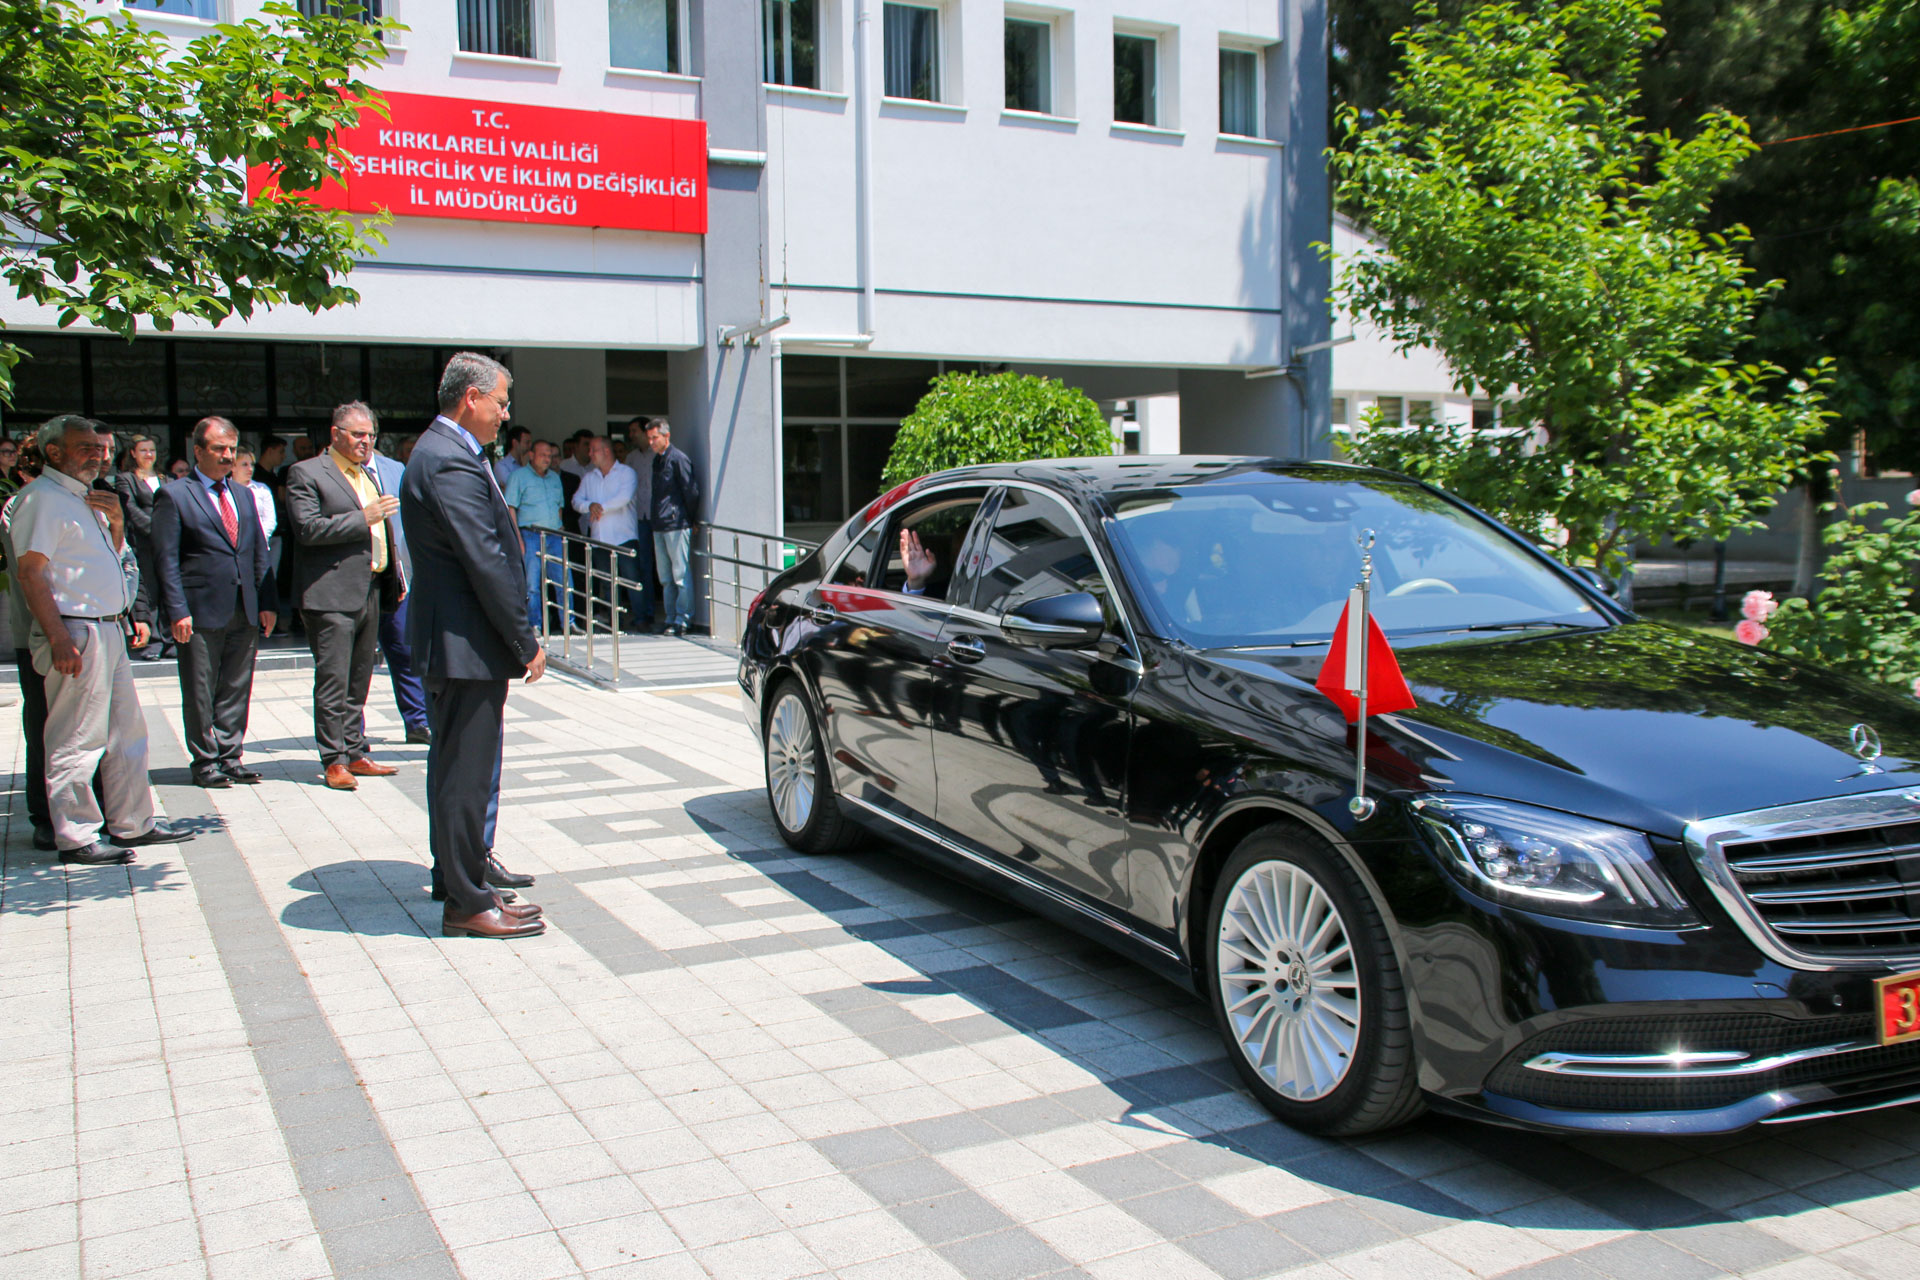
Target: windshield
1268, 559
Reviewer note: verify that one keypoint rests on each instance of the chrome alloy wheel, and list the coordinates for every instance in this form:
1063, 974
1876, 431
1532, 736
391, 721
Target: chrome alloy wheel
1287, 979
790, 762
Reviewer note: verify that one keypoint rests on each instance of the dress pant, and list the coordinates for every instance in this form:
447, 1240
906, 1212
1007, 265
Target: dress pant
553, 568
672, 550
94, 722
409, 695
343, 651
492, 821
33, 727
216, 690
467, 718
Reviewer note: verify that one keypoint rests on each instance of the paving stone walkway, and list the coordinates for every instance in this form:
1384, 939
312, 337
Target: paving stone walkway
252, 1057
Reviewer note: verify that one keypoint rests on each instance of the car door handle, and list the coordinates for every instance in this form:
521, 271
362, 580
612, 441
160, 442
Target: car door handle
967, 649
823, 615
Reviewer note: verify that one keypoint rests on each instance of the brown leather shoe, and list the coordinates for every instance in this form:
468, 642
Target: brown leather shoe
521, 910
365, 768
340, 779
492, 924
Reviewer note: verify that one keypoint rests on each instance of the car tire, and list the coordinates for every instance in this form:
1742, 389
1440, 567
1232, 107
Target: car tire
1305, 989
799, 784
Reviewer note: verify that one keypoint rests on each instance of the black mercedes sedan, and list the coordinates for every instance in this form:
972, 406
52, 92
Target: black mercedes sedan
1619, 876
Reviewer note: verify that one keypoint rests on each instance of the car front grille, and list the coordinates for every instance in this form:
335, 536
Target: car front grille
1828, 884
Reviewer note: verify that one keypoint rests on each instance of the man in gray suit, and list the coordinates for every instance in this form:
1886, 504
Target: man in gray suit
467, 627
345, 571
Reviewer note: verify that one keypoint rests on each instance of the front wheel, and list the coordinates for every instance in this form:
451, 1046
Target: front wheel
1305, 990
799, 786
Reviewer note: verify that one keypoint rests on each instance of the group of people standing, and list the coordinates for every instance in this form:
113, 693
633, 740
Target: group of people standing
637, 497
460, 629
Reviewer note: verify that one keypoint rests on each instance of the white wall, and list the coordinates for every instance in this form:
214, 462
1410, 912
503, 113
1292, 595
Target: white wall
1370, 367
974, 206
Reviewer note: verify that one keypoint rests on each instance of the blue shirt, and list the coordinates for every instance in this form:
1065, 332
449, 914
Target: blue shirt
463, 433
535, 498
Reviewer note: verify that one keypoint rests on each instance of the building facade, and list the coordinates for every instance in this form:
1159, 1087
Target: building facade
1125, 195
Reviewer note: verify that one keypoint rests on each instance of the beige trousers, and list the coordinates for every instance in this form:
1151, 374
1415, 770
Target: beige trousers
94, 722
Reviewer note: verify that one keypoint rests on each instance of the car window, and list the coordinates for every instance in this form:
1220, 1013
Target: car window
936, 526
857, 569
1036, 550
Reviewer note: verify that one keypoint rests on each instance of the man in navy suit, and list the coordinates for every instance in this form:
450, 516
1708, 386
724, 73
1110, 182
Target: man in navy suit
409, 695
216, 581
467, 626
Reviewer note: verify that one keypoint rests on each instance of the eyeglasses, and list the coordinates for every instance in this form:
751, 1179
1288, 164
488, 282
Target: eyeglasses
506, 406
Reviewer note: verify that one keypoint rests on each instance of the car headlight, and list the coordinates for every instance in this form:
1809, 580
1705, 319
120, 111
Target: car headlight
1554, 862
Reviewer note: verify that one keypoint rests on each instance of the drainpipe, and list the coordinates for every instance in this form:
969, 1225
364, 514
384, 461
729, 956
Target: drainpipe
863, 114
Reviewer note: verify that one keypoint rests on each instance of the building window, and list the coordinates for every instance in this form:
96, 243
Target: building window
644, 34
509, 28
208, 10
792, 43
1391, 410
913, 52
1135, 72
1339, 415
352, 10
1029, 66
1486, 415
1420, 413
1240, 92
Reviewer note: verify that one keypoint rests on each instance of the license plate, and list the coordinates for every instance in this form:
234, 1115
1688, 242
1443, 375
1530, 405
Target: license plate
1898, 1000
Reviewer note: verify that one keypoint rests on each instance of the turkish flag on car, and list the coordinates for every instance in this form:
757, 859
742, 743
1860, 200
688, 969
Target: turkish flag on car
1387, 689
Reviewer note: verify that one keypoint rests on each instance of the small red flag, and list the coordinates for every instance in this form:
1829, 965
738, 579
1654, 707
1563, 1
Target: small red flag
1387, 689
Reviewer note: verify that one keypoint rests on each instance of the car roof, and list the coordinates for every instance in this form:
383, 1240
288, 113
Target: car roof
1160, 471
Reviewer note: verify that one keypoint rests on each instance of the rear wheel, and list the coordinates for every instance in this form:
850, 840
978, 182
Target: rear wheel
1305, 989
799, 785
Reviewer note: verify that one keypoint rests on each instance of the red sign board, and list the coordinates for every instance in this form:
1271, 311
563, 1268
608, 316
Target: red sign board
505, 162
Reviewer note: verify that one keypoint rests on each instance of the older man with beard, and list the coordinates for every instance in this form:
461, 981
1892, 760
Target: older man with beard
68, 540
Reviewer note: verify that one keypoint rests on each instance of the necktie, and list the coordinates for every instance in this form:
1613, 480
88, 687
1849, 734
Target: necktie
229, 518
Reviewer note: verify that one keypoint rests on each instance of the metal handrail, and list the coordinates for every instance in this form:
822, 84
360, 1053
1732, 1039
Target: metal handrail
751, 573
587, 593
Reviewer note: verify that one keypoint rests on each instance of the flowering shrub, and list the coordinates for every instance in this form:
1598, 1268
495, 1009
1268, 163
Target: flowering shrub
1863, 620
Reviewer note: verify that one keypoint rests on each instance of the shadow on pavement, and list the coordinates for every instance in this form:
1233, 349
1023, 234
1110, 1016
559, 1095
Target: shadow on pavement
374, 898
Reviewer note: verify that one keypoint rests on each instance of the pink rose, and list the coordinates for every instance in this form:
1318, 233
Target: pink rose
1913, 497
1758, 606
1916, 686
1749, 632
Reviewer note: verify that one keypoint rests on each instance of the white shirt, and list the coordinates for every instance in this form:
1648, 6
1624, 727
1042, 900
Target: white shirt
613, 490
263, 503
51, 516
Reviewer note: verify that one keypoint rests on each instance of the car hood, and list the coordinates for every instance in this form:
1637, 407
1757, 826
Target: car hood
1641, 724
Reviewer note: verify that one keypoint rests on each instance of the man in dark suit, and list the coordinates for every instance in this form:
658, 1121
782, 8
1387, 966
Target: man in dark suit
467, 626
346, 570
409, 695
216, 581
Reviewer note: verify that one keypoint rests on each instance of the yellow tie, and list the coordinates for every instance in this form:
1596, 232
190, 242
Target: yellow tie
363, 489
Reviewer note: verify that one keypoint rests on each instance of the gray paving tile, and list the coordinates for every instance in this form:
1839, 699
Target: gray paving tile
1731, 1246
1183, 1211
949, 1133
1246, 1251
909, 1180
1641, 1257
866, 1148
1123, 1177
951, 1217
1004, 1255
1330, 1228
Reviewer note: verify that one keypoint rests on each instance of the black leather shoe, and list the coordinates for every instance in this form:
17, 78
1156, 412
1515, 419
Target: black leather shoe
498, 877
43, 837
95, 855
157, 835
420, 737
240, 773
211, 778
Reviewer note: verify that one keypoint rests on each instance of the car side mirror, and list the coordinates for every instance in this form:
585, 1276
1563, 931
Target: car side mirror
1598, 581
1072, 621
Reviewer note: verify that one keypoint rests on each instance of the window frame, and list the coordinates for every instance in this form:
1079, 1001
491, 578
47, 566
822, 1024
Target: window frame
1015, 18
892, 522
1259, 55
1151, 105
679, 50
822, 41
946, 47
541, 30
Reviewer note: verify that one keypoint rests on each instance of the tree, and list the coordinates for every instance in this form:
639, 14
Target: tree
1554, 251
126, 161
1824, 212
968, 418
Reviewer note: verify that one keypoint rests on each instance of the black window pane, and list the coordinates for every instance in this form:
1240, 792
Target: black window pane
1029, 66
636, 387
227, 378
208, 9
129, 378
1239, 93
886, 388
46, 382
405, 382
1133, 79
310, 378
361, 10
810, 386
857, 569
867, 448
504, 27
792, 30
912, 52
810, 457
1036, 551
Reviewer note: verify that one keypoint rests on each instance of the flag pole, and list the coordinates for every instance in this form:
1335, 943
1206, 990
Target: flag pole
1359, 625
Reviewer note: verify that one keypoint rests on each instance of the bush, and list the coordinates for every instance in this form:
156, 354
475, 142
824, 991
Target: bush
968, 418
1863, 620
